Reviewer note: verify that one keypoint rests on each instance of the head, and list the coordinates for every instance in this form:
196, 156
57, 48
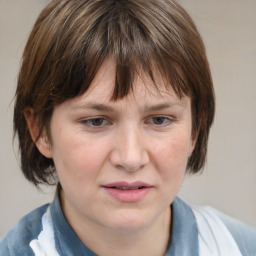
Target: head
68, 45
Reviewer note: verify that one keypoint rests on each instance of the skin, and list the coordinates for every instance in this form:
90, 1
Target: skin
145, 137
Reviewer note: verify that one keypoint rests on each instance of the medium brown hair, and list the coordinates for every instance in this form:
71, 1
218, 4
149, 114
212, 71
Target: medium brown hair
71, 39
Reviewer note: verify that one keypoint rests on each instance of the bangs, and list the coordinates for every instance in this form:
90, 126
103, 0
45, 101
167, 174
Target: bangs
120, 32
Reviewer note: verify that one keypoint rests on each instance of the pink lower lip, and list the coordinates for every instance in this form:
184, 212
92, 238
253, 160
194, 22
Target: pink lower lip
128, 195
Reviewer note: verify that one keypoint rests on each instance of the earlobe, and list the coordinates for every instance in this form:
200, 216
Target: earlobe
193, 140
192, 145
41, 141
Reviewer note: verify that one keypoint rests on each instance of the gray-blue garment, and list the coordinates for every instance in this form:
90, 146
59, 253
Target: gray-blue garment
183, 241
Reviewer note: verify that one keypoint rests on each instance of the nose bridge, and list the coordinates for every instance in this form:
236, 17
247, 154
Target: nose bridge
130, 151
132, 143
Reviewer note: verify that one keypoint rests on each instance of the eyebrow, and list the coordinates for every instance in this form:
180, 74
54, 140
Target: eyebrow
96, 106
106, 108
162, 106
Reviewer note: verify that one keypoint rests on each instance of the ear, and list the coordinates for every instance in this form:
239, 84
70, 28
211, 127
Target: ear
192, 145
41, 141
194, 136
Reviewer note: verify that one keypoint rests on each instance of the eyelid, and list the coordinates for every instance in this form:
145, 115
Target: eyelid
85, 121
169, 119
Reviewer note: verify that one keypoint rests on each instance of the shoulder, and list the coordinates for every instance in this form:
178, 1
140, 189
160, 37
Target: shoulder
243, 234
224, 233
16, 242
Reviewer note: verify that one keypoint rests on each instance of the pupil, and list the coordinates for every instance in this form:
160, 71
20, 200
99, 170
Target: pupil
159, 120
97, 122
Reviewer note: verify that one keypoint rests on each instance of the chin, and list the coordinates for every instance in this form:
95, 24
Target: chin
130, 221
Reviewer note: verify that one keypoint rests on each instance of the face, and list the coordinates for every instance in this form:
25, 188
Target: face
120, 163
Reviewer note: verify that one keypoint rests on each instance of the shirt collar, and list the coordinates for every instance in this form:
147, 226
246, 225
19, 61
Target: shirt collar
184, 236
66, 240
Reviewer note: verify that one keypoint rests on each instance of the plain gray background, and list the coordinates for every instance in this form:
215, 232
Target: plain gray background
229, 179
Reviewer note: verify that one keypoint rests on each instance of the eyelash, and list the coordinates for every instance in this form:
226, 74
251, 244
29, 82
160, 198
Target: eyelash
88, 122
167, 120
104, 121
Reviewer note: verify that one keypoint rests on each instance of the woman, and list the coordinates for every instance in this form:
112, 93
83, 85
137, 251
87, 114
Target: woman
114, 104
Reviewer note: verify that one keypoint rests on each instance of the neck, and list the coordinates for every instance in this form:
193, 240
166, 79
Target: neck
150, 240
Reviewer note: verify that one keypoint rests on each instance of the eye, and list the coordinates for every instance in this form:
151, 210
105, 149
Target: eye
159, 120
95, 122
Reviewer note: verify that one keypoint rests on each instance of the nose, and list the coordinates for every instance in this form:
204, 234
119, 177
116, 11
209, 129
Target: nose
129, 151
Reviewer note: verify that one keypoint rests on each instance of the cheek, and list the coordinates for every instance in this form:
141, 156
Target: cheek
77, 159
171, 155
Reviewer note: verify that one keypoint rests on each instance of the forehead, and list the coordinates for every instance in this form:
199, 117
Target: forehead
145, 90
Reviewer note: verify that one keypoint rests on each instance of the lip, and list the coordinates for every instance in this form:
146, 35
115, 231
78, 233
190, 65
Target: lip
128, 192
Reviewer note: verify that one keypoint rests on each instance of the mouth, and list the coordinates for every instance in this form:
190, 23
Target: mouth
128, 192
127, 188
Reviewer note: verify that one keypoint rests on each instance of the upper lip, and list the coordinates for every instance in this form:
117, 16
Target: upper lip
128, 185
